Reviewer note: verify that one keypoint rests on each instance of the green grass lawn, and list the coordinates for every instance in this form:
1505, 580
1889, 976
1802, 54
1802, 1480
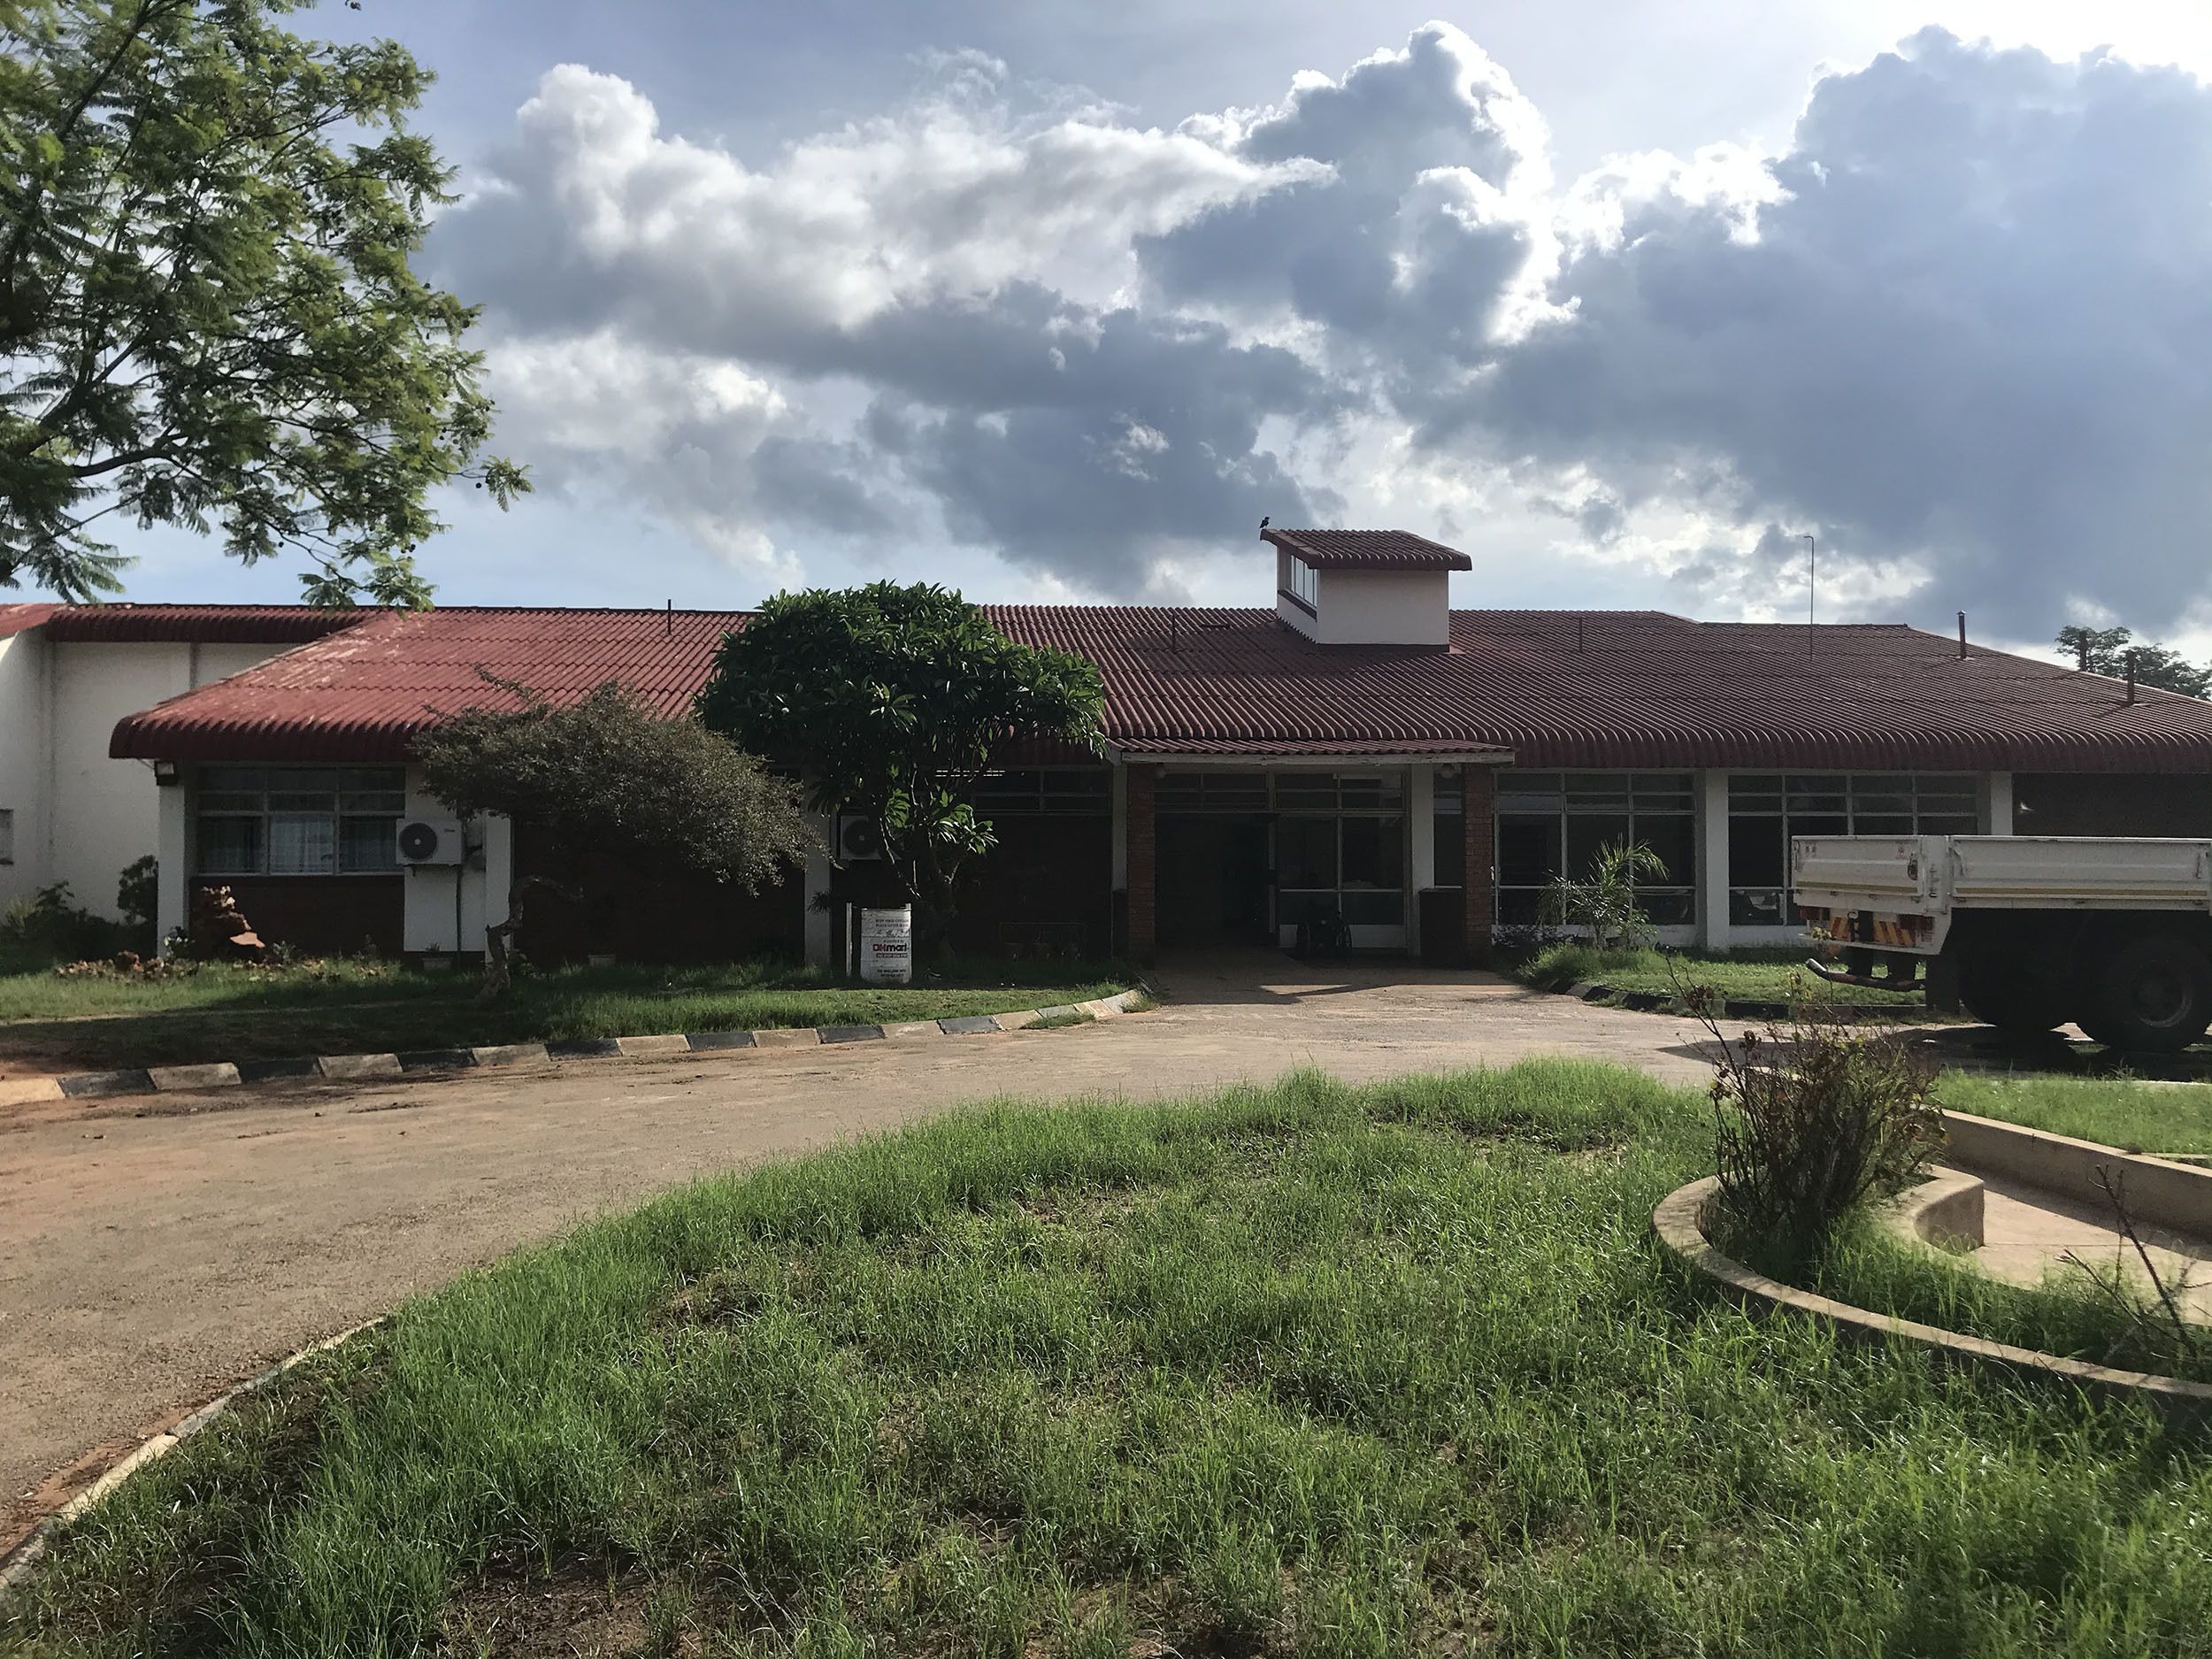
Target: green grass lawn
1766, 976
2068, 1315
2132, 1115
225, 1012
1302, 1369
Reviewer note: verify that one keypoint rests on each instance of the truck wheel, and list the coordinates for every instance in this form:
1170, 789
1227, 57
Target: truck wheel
2153, 994
1998, 994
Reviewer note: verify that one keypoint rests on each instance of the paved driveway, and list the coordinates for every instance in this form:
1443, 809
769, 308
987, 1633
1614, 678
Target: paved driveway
149, 1257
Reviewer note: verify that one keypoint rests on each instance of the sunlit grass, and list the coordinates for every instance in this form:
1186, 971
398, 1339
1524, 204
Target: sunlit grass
1764, 976
2133, 1116
1305, 1369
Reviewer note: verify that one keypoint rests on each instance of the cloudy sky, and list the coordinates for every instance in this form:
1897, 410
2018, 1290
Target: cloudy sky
1055, 301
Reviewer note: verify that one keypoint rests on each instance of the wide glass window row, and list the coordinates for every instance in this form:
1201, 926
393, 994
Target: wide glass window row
1766, 810
1552, 824
298, 820
1282, 791
1043, 791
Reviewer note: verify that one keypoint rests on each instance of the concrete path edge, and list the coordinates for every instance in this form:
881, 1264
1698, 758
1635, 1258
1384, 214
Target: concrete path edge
1678, 1221
363, 1067
18, 1563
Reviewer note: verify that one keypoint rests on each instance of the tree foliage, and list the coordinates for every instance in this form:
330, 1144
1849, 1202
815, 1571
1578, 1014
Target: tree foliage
2107, 651
891, 701
207, 314
607, 781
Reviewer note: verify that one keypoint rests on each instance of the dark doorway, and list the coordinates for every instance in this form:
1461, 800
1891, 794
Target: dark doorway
1211, 879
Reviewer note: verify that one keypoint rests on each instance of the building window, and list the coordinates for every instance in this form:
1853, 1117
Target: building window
7, 835
1213, 792
1305, 583
1050, 791
1340, 847
297, 820
1551, 824
1765, 810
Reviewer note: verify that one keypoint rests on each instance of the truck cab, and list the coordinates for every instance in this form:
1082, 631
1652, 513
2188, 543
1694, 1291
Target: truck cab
2026, 933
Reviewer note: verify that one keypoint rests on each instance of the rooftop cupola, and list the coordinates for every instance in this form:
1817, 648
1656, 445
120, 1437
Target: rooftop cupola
1364, 587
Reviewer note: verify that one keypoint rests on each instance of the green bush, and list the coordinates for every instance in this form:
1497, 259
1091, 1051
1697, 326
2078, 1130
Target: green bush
1810, 1121
49, 926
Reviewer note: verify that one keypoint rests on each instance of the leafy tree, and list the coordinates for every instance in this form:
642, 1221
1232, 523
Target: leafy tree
2107, 651
207, 315
1604, 901
891, 701
607, 780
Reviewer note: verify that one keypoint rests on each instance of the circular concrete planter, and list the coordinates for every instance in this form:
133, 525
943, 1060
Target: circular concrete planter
1679, 1223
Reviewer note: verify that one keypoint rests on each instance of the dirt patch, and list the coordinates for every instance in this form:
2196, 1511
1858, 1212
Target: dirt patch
582, 1607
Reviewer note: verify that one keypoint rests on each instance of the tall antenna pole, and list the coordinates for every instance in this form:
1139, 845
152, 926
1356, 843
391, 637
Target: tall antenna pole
1812, 585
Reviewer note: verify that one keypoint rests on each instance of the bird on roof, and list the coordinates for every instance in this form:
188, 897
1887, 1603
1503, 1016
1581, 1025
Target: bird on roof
1264, 517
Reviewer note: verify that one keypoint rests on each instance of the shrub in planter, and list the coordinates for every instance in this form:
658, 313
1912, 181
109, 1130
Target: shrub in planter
1811, 1121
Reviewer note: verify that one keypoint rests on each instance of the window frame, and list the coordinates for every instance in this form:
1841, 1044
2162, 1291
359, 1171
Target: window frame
1819, 799
258, 797
1043, 792
1562, 795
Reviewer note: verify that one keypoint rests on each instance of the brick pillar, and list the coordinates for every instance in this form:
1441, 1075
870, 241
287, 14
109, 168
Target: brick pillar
1479, 817
1139, 908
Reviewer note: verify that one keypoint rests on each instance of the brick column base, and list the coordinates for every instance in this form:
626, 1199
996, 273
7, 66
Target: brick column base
1139, 909
1479, 786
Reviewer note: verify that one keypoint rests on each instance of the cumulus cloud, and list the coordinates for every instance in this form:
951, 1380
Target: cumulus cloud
1956, 328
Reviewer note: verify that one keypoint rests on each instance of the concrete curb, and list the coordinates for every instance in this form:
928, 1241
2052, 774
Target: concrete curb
352, 1068
1678, 1221
1945, 1210
17, 1565
2155, 1190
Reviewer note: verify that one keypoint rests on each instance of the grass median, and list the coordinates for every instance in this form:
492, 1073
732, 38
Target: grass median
2134, 1116
1762, 976
1304, 1369
230, 1013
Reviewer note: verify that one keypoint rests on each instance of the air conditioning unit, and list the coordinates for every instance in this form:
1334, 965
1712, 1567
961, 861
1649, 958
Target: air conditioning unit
431, 841
858, 839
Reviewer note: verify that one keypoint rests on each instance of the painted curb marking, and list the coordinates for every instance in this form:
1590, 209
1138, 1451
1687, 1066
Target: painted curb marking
221, 1074
355, 1068
788, 1037
349, 1068
508, 1054
91, 1085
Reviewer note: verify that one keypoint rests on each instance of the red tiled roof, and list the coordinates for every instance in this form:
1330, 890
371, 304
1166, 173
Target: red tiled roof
1368, 550
1617, 689
14, 619
199, 625
1558, 689
364, 694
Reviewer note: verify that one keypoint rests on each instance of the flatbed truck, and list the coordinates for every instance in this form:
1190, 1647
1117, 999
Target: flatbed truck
2026, 933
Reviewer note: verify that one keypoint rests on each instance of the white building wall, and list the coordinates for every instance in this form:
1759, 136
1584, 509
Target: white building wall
23, 769
103, 814
1375, 608
432, 921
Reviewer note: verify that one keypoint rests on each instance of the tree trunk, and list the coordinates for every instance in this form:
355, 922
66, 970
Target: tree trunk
498, 972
